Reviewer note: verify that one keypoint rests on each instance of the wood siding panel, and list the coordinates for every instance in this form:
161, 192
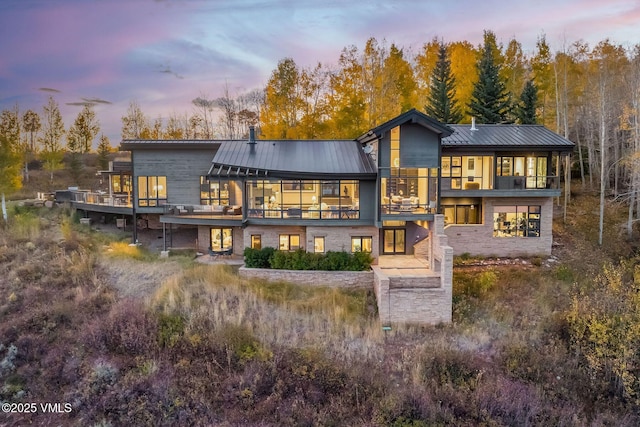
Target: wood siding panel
182, 168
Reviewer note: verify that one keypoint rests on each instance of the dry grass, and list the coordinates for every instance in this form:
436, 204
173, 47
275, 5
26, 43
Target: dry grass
278, 314
134, 340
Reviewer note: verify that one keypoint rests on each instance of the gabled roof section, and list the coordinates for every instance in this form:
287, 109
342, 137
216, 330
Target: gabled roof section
318, 159
411, 116
506, 137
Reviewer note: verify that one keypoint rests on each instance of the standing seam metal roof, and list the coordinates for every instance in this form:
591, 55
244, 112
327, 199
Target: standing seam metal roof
505, 137
296, 157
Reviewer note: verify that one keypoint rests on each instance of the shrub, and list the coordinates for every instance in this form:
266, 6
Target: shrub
258, 258
170, 329
302, 260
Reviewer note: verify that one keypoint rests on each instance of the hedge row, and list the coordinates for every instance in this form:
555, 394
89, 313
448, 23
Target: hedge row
302, 260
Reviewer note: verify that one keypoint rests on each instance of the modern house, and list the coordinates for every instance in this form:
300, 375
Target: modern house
412, 186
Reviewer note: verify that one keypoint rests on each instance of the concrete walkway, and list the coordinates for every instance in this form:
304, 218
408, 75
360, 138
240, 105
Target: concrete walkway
403, 265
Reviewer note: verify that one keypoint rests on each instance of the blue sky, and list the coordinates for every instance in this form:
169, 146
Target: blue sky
165, 53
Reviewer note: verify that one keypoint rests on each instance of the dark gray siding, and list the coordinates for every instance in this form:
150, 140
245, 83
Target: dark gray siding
368, 199
182, 168
418, 147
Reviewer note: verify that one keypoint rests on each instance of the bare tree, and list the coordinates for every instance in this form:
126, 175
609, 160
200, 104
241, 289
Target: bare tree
204, 108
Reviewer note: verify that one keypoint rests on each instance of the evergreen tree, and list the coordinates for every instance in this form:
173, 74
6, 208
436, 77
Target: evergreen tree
526, 109
490, 99
441, 102
83, 131
51, 139
104, 148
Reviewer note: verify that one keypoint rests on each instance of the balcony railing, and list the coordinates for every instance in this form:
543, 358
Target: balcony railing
209, 210
305, 212
540, 182
102, 199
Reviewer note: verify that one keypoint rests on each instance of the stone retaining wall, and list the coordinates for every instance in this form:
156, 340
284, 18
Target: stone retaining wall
336, 279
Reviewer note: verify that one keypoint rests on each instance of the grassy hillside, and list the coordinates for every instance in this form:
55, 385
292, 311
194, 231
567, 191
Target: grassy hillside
129, 339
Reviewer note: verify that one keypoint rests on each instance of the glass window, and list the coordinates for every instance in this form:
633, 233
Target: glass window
318, 244
395, 147
361, 244
152, 190
516, 221
289, 242
221, 239
256, 241
214, 191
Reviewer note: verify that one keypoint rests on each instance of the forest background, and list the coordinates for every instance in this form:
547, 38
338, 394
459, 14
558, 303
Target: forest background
590, 95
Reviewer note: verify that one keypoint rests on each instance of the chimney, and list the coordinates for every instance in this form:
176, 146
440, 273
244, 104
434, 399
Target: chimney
252, 135
473, 123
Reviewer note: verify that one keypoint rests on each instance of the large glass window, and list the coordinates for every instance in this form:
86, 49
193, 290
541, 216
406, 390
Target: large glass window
463, 213
152, 190
467, 172
361, 244
409, 190
303, 199
513, 221
121, 183
221, 239
289, 242
214, 191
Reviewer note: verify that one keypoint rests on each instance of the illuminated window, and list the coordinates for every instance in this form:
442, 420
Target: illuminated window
289, 242
395, 147
152, 190
213, 191
221, 239
361, 244
516, 221
318, 244
256, 241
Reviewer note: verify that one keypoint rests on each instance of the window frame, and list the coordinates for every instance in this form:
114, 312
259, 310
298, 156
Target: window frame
256, 238
222, 247
152, 192
317, 239
361, 239
289, 247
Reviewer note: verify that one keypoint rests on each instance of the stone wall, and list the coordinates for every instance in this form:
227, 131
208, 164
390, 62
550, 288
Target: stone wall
424, 299
477, 239
337, 279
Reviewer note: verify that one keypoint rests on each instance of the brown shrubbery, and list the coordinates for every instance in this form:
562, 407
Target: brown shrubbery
210, 348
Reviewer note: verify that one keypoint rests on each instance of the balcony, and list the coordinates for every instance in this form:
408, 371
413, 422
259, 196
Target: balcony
312, 212
201, 211
502, 186
100, 199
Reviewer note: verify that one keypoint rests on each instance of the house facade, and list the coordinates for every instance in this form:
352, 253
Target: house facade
494, 185
413, 192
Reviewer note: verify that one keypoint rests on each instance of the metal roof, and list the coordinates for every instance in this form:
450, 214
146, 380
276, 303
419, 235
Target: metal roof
506, 137
293, 158
411, 116
150, 144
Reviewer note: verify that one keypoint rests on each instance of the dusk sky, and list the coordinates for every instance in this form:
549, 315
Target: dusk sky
163, 54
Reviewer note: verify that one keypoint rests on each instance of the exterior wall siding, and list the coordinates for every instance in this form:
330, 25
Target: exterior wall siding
477, 239
339, 238
182, 168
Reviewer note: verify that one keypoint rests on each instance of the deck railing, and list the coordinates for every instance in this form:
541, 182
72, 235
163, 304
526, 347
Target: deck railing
102, 199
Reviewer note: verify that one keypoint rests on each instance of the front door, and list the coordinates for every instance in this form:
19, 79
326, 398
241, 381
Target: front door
393, 241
